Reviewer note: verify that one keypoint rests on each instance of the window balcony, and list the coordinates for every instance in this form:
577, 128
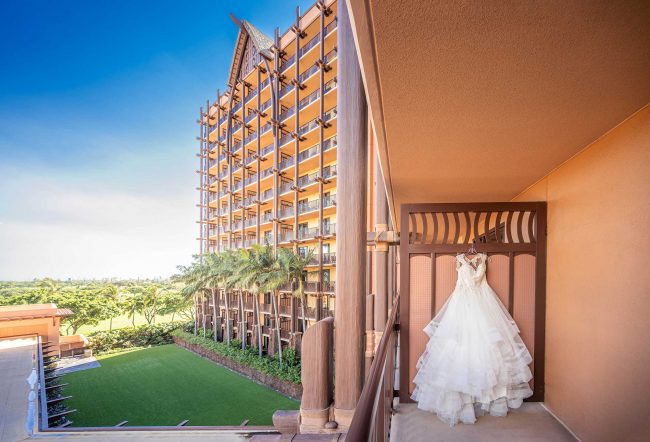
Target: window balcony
287, 113
308, 233
287, 212
286, 162
329, 258
329, 229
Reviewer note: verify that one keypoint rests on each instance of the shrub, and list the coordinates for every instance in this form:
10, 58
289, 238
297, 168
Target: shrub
130, 337
288, 371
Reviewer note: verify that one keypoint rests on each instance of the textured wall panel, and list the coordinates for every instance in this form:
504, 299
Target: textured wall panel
524, 301
498, 277
419, 308
446, 277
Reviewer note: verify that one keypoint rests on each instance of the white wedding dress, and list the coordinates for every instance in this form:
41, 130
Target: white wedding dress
475, 361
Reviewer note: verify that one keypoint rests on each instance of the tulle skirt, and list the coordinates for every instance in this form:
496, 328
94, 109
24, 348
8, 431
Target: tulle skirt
475, 361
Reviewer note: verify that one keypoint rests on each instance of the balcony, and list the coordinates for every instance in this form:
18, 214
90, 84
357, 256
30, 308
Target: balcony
285, 334
325, 312
329, 229
308, 233
286, 162
285, 309
250, 138
287, 212
328, 287
267, 194
250, 221
266, 330
267, 217
286, 236
285, 89
287, 113
265, 308
329, 258
286, 187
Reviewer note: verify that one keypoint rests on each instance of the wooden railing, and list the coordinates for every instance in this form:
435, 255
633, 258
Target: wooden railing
371, 420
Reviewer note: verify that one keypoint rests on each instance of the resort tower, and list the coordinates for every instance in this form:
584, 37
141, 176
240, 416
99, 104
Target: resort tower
268, 165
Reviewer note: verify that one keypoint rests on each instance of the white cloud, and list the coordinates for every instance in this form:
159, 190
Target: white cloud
52, 227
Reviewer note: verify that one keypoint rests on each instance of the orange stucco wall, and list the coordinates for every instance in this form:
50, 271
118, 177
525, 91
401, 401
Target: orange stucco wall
598, 285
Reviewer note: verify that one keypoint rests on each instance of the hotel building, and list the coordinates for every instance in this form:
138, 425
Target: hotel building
268, 148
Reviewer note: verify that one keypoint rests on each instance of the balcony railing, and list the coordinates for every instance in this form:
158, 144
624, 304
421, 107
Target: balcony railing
286, 162
286, 187
285, 334
371, 420
329, 229
307, 233
287, 113
315, 67
285, 309
325, 312
286, 236
328, 287
267, 194
329, 258
250, 138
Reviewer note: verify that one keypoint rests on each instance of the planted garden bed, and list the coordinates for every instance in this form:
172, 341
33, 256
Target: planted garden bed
283, 378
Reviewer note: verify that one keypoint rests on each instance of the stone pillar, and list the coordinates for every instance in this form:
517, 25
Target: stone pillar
316, 374
351, 226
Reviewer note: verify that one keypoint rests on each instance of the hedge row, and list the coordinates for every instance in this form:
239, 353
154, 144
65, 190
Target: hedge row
130, 337
288, 371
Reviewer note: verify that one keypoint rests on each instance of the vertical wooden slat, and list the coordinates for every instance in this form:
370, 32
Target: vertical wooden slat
531, 232
456, 228
424, 227
509, 226
486, 227
520, 225
497, 225
435, 228
445, 234
414, 227
468, 227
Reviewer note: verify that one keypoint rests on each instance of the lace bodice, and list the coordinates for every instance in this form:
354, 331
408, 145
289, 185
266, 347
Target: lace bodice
471, 271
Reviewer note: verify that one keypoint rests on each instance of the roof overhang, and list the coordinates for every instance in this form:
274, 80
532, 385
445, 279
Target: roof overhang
477, 101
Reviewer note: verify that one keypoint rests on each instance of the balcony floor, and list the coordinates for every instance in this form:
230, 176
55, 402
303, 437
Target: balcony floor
531, 422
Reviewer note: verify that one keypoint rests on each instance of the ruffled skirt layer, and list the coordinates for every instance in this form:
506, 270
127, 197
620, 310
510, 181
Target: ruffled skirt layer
475, 361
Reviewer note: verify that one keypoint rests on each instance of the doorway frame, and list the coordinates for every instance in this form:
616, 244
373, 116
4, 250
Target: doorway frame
411, 244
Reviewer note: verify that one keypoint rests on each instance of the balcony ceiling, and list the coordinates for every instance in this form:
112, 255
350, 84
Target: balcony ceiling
475, 101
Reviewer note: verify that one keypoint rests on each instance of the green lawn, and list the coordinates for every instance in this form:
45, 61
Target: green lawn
120, 322
165, 385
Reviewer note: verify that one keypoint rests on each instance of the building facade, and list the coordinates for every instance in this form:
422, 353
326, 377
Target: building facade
268, 148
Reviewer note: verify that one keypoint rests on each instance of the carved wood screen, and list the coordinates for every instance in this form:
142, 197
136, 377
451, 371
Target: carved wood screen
513, 235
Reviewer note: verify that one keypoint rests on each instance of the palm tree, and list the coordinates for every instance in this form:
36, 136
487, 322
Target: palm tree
225, 275
253, 266
193, 276
273, 277
293, 266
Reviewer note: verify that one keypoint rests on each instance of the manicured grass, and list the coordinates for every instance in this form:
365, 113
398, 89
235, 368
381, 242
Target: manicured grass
120, 322
165, 385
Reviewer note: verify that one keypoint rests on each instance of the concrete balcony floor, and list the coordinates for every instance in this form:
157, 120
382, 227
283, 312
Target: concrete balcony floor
531, 422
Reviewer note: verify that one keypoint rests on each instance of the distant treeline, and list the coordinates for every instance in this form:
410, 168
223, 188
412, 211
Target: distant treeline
95, 301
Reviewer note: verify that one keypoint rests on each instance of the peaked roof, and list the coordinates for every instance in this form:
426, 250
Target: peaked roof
260, 41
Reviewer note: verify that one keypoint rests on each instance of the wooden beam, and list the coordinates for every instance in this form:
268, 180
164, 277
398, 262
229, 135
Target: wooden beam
351, 220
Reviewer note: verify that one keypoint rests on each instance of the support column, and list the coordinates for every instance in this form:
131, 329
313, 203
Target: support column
380, 255
351, 228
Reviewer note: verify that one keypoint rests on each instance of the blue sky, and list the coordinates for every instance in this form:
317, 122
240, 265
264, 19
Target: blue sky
98, 104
